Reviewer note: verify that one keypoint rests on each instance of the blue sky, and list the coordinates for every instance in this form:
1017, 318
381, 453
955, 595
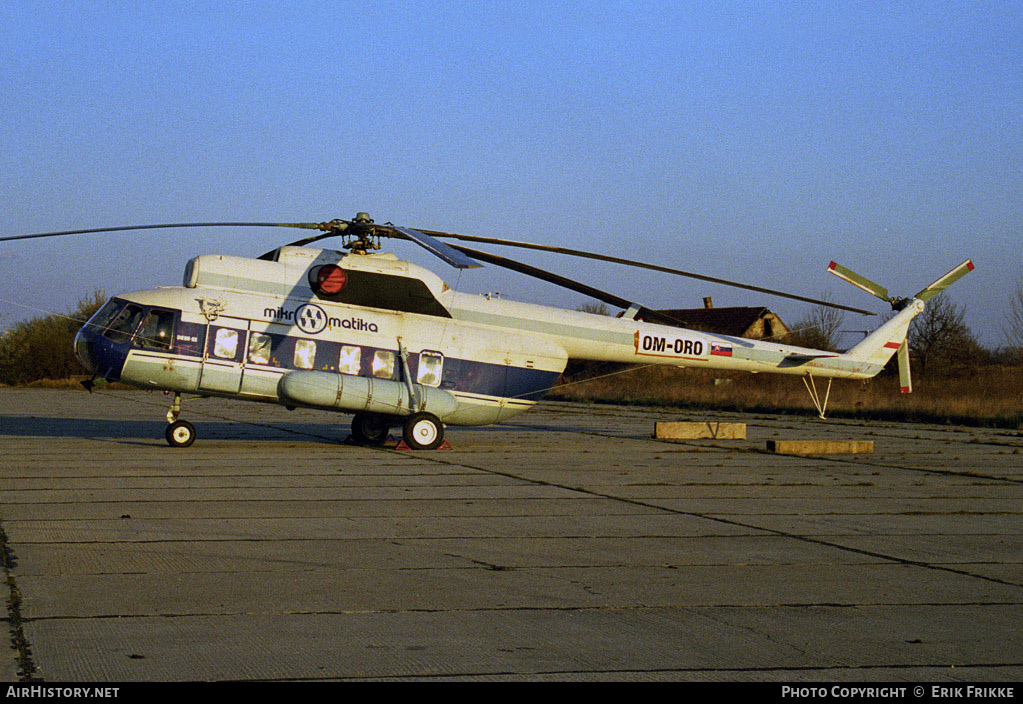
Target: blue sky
753, 141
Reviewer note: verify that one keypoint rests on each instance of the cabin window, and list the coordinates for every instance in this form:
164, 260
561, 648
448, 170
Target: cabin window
259, 348
383, 364
350, 361
431, 366
305, 354
225, 343
157, 331
123, 326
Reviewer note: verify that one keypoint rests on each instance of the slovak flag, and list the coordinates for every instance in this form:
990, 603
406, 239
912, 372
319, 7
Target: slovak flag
721, 349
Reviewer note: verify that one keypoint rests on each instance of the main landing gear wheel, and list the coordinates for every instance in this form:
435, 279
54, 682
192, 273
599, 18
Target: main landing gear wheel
423, 431
370, 428
180, 433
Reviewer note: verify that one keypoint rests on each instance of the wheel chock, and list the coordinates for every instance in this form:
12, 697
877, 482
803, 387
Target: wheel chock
445, 445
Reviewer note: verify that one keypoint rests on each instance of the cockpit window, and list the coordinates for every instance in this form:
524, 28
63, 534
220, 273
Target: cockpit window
98, 322
157, 331
124, 325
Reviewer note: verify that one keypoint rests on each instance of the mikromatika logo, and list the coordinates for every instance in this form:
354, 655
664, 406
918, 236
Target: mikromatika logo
310, 318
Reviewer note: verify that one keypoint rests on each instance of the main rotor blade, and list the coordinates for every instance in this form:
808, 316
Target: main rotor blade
309, 240
643, 265
300, 225
269, 256
329, 229
446, 252
646, 314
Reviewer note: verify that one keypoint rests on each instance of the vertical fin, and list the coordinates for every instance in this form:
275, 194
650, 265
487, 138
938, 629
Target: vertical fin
880, 345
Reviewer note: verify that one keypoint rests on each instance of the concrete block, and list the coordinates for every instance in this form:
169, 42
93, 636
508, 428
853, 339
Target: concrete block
688, 430
821, 447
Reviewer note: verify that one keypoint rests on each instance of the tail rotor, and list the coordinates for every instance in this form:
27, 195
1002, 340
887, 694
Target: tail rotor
899, 304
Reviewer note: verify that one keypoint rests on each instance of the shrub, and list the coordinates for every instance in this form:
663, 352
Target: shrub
43, 347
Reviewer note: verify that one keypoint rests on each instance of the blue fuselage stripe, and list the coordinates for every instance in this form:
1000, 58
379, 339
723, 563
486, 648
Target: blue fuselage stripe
192, 341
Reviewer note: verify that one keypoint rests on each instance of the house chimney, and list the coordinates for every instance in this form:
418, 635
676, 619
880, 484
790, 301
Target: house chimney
707, 302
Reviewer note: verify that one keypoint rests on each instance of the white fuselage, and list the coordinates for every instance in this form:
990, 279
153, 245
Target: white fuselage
396, 340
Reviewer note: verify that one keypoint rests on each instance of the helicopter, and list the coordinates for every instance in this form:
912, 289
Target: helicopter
359, 331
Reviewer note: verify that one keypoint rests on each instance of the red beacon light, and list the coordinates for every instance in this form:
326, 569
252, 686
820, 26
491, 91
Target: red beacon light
328, 279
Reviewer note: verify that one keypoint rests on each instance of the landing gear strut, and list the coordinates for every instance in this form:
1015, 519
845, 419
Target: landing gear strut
822, 406
179, 433
420, 431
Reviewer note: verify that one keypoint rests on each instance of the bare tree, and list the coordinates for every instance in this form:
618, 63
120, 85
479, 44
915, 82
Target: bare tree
1014, 315
819, 329
595, 307
939, 337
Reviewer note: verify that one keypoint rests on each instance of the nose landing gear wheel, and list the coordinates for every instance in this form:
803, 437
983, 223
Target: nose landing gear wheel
423, 431
180, 433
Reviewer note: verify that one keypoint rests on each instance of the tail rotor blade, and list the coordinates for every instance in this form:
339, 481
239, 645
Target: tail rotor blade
905, 382
945, 281
859, 281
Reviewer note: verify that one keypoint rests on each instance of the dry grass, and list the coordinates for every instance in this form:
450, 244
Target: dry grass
984, 396
74, 382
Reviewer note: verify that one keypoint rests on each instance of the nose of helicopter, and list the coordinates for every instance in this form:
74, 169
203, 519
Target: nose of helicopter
85, 348
99, 350
100, 355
